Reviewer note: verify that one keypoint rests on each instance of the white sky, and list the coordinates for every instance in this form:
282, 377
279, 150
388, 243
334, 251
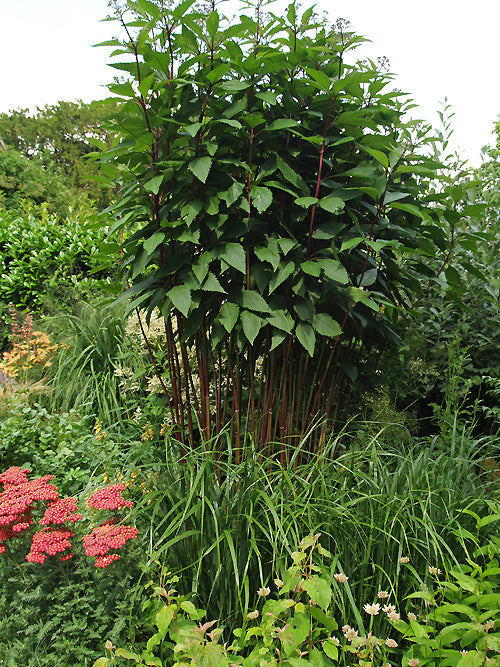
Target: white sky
438, 49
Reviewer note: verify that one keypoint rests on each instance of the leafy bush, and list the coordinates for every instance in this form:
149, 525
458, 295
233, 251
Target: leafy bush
39, 251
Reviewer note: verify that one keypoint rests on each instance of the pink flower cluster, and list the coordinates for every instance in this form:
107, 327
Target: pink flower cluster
18, 500
105, 537
109, 498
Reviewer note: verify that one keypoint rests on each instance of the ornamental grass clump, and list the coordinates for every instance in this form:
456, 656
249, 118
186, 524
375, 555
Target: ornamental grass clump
20, 498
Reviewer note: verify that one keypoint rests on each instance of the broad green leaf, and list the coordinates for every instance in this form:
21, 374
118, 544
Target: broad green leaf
154, 184
281, 320
304, 309
334, 270
306, 202
212, 284
181, 298
128, 655
102, 662
318, 590
290, 174
252, 324
270, 98
212, 24
200, 167
331, 649
192, 129
311, 268
261, 198
325, 325
307, 338
146, 84
351, 243
232, 194
254, 301
411, 208
164, 617
277, 339
378, 155
228, 315
331, 204
218, 72
234, 255
266, 254
282, 124
153, 242
286, 245
322, 79
189, 608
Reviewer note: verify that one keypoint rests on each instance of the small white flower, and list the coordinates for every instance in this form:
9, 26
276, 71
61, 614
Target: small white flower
404, 559
335, 640
350, 634
382, 595
340, 577
263, 592
391, 643
412, 616
372, 609
394, 616
413, 662
434, 570
253, 615
388, 608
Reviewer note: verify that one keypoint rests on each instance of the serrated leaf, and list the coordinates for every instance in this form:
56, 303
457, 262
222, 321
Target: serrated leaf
286, 245
318, 590
181, 298
228, 315
266, 254
101, 662
277, 339
307, 338
234, 255
164, 617
153, 242
281, 320
252, 324
200, 167
334, 270
254, 301
212, 284
351, 243
189, 608
325, 325
261, 198
331, 204
322, 79
154, 184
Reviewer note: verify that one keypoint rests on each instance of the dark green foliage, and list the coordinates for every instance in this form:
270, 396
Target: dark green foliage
277, 208
56, 615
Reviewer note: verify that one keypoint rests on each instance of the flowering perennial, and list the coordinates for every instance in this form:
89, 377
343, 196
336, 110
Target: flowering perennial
109, 498
18, 500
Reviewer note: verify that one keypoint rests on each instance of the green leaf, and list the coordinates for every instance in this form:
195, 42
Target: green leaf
334, 270
266, 254
128, 655
164, 618
281, 320
254, 301
189, 608
228, 315
200, 167
181, 298
318, 590
154, 184
282, 124
307, 338
378, 155
234, 255
277, 339
306, 202
252, 324
331, 204
218, 72
212, 284
311, 268
212, 24
351, 243
261, 198
232, 194
101, 662
322, 79
153, 242
325, 325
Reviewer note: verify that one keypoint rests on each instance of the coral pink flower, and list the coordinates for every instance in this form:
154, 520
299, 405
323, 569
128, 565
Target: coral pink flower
106, 537
17, 499
13, 476
49, 542
109, 498
60, 511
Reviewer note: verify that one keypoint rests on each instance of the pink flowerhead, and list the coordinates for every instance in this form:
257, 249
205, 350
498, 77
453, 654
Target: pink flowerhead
60, 511
106, 537
109, 498
49, 542
13, 476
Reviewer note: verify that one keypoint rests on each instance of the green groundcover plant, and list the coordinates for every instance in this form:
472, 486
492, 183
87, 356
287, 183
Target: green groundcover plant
452, 620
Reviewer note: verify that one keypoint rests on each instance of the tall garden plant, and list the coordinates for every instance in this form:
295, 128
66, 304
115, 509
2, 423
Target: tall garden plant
274, 204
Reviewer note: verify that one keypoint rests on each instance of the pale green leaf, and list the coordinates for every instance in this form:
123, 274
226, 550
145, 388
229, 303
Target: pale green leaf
325, 325
331, 204
234, 255
153, 242
228, 315
254, 301
307, 338
153, 185
261, 198
252, 324
181, 298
